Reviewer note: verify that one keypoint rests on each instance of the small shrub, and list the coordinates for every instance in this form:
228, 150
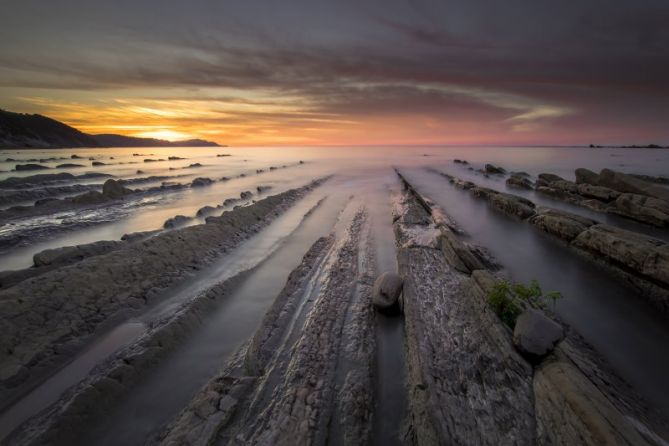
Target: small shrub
509, 299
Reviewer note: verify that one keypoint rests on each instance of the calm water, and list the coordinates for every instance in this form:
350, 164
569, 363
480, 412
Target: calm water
629, 333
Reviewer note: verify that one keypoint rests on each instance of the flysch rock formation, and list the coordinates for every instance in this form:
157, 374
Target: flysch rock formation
612, 192
306, 375
468, 385
640, 260
61, 422
45, 319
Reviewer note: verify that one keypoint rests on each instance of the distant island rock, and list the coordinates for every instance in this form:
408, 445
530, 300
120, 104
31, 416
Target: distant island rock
20, 130
632, 146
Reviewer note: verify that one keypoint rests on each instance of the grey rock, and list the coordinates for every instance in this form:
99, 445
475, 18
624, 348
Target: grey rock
598, 192
24, 167
176, 221
201, 182
519, 181
113, 189
246, 195
629, 184
585, 176
545, 179
562, 224
386, 291
491, 168
642, 208
70, 254
536, 335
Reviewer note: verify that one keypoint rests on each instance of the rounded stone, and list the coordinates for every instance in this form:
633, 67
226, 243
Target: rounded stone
386, 291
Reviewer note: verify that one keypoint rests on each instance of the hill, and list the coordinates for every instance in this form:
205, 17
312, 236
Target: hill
20, 130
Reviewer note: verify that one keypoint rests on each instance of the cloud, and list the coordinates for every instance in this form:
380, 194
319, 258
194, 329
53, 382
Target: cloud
495, 67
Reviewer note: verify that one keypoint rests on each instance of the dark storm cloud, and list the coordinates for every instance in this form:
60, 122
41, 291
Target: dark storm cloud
596, 59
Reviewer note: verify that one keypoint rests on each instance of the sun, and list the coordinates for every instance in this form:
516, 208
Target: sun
170, 135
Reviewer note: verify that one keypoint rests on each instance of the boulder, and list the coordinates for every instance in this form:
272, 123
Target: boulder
586, 176
642, 208
386, 291
562, 224
246, 195
201, 182
98, 163
68, 166
113, 189
491, 168
230, 201
536, 335
262, 189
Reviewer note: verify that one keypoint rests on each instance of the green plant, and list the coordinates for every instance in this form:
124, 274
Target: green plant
509, 299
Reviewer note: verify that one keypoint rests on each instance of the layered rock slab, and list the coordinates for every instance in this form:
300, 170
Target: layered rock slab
46, 318
467, 384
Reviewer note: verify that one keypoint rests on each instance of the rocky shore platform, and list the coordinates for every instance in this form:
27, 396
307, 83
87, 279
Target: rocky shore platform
309, 373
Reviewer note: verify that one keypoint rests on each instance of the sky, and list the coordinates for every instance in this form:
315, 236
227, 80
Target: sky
316, 72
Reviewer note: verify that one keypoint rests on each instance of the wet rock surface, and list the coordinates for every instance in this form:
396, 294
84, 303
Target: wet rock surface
574, 396
78, 298
301, 383
467, 384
